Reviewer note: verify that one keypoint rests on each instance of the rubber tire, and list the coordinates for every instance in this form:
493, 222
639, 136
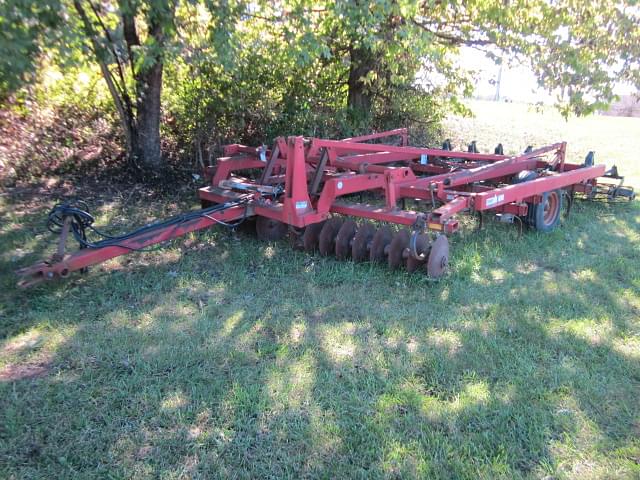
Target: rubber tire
535, 218
525, 176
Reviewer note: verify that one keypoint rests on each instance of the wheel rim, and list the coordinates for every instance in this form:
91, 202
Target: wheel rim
550, 208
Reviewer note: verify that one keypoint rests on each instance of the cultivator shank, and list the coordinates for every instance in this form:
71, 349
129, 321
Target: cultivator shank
325, 195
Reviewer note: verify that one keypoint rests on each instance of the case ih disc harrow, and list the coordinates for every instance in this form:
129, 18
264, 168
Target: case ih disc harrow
305, 188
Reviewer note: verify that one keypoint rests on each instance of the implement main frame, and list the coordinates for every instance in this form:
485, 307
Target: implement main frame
306, 189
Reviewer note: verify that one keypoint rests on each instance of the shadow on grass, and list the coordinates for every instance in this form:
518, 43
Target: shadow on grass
244, 360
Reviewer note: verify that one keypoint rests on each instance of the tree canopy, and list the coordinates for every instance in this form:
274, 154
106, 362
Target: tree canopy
303, 66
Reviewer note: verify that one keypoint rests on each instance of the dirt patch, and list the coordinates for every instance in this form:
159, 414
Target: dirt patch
21, 343
24, 371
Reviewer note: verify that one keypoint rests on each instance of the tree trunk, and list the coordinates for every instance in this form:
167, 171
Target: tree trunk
142, 124
359, 98
146, 146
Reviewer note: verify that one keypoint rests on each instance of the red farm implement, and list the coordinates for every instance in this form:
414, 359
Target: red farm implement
313, 190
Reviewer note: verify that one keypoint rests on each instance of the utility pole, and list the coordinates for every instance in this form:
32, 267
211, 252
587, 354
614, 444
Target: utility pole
496, 97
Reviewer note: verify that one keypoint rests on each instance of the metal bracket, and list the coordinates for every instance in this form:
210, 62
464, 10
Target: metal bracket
412, 246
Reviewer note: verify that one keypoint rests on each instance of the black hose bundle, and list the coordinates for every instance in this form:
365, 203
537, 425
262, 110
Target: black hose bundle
82, 221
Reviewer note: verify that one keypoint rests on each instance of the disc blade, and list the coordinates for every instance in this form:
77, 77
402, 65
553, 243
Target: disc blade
327, 240
344, 238
311, 236
381, 239
295, 238
361, 242
397, 247
438, 257
270, 230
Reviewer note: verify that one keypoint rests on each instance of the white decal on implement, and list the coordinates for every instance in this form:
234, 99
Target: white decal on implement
495, 199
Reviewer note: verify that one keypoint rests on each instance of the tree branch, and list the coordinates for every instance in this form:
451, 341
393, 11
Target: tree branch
129, 32
125, 119
450, 38
123, 84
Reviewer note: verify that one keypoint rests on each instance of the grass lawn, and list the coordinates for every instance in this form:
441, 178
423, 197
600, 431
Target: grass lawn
224, 357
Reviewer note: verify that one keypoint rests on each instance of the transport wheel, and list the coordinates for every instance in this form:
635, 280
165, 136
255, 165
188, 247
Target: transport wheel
361, 242
270, 230
311, 236
397, 247
344, 239
327, 239
422, 248
380, 241
525, 176
546, 214
438, 257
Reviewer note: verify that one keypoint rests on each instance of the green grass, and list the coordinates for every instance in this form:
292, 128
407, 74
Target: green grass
228, 358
